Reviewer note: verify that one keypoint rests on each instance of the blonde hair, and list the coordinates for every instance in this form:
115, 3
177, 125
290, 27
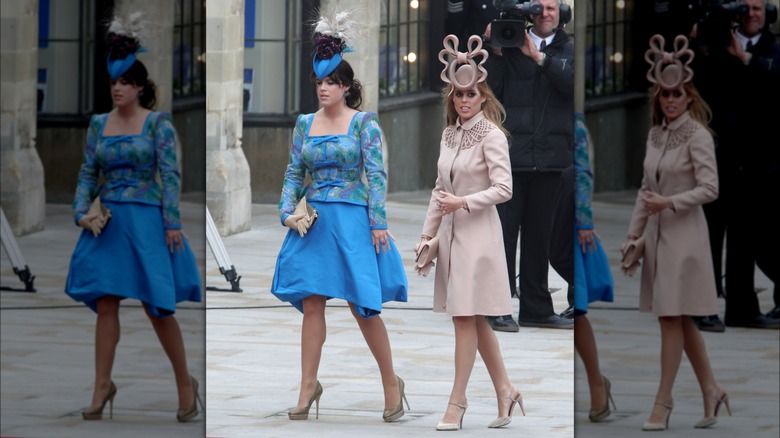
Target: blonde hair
697, 108
492, 109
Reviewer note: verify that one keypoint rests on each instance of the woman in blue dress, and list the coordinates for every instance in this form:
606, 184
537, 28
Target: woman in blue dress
592, 275
140, 250
348, 253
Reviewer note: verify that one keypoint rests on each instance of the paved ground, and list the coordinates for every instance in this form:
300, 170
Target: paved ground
250, 353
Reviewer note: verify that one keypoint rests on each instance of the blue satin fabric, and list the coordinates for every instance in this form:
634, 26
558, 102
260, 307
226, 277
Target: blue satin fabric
130, 259
336, 259
592, 277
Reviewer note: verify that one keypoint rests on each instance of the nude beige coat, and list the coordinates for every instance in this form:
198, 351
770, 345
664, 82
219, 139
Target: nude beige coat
471, 268
677, 273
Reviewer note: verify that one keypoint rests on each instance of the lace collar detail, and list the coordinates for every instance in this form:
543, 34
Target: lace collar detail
680, 132
474, 130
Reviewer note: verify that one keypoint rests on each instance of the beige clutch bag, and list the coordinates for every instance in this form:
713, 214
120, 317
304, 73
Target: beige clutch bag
426, 256
633, 251
310, 214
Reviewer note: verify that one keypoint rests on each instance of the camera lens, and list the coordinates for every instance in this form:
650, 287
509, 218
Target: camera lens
508, 33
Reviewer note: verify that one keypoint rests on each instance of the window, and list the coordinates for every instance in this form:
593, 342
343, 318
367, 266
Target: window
272, 56
606, 66
189, 43
403, 47
65, 56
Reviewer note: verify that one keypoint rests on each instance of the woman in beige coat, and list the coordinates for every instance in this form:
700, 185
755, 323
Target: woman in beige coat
473, 176
677, 279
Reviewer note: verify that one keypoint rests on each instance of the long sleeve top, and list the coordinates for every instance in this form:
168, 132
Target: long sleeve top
336, 164
130, 165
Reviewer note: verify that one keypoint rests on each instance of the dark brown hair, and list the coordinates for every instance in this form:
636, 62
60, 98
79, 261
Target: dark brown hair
344, 75
138, 75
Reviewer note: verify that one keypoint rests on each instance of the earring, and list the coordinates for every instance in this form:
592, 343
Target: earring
346, 93
140, 94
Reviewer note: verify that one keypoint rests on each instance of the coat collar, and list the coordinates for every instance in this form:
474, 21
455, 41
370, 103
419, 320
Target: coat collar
676, 123
470, 122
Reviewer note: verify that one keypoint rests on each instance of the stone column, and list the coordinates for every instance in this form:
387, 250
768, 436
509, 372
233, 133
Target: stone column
22, 191
228, 192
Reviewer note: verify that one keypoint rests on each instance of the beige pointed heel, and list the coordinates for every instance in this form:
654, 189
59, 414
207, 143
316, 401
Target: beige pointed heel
648, 426
516, 399
394, 414
706, 422
303, 413
97, 413
598, 415
453, 426
185, 415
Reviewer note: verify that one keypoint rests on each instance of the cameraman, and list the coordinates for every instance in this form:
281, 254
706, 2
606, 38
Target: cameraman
535, 83
734, 80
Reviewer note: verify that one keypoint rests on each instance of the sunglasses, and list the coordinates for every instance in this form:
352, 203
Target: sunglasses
672, 93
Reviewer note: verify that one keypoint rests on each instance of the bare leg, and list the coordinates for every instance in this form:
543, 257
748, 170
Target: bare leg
312, 339
490, 351
671, 355
585, 344
169, 334
696, 350
106, 339
375, 334
466, 341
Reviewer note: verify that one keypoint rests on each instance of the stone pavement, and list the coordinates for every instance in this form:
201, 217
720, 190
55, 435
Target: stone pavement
253, 353
47, 347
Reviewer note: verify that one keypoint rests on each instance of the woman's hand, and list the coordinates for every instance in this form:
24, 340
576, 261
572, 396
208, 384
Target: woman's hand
295, 223
655, 203
379, 240
175, 240
91, 222
448, 203
587, 240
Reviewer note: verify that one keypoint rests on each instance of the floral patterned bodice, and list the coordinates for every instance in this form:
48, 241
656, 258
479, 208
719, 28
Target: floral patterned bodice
130, 164
336, 164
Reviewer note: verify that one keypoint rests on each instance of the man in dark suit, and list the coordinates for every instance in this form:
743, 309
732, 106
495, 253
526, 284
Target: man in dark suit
535, 83
747, 63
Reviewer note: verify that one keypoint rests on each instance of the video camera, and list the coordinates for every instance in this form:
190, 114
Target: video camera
509, 29
715, 20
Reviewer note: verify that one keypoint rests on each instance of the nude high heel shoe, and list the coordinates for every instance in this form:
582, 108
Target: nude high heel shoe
97, 413
453, 426
503, 421
599, 414
648, 426
303, 413
393, 414
709, 421
185, 415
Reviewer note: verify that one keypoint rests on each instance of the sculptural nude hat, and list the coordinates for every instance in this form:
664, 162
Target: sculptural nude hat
667, 69
461, 70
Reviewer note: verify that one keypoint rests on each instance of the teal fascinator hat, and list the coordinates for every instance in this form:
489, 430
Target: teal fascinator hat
333, 31
123, 41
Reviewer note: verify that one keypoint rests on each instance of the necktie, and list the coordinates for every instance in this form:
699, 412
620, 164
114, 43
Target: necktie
749, 46
543, 45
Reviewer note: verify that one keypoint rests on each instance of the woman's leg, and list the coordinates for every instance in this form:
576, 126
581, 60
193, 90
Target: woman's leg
313, 331
466, 343
106, 339
671, 355
169, 334
490, 351
585, 344
696, 350
375, 334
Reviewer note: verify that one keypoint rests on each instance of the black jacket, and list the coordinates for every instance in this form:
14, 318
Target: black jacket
539, 101
744, 100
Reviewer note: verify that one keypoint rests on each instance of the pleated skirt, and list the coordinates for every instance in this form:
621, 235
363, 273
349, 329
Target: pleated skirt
336, 259
129, 259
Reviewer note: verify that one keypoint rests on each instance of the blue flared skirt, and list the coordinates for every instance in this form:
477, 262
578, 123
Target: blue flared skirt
336, 259
592, 277
130, 259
